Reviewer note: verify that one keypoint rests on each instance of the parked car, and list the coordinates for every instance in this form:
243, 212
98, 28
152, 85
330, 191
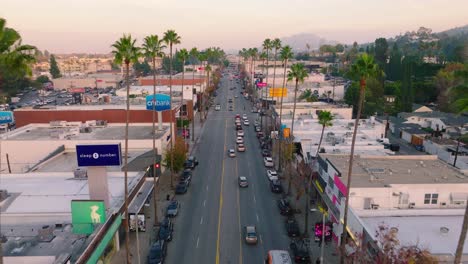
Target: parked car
259, 134
300, 251
238, 127
232, 153
272, 175
246, 122
218, 107
266, 153
181, 188
157, 252
258, 129
165, 231
243, 181
239, 140
284, 207
292, 227
275, 186
173, 208
250, 233
241, 147
268, 161
191, 163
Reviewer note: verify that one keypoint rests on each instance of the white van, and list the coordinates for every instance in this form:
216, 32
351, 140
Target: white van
278, 257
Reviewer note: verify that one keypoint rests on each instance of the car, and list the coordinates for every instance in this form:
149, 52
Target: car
272, 175
254, 110
173, 208
229, 100
268, 162
275, 186
157, 252
218, 107
191, 163
243, 181
231, 153
244, 116
258, 129
250, 233
230, 108
238, 127
292, 227
284, 207
235, 96
241, 147
266, 153
246, 122
181, 187
260, 134
240, 133
165, 230
237, 115
300, 251
239, 140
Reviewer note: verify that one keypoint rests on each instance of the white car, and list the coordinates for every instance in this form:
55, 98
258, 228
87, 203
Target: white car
240, 133
268, 161
246, 122
232, 153
240, 140
244, 116
218, 107
272, 175
258, 129
241, 147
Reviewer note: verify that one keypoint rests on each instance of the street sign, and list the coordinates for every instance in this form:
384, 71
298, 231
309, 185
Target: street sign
261, 84
278, 92
6, 117
162, 102
87, 213
99, 155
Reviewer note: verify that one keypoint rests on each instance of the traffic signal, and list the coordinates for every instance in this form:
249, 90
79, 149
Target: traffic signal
157, 168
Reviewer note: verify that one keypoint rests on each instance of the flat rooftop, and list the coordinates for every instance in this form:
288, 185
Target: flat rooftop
311, 105
378, 171
109, 132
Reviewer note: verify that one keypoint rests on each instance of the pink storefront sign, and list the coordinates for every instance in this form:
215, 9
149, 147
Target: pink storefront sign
261, 84
339, 184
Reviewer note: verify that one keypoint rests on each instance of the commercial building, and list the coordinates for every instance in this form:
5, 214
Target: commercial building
97, 80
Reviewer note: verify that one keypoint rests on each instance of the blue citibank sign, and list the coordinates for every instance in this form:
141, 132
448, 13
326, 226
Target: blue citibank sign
163, 102
99, 155
6, 117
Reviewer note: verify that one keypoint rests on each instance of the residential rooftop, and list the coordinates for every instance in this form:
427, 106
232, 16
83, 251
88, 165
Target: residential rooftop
381, 171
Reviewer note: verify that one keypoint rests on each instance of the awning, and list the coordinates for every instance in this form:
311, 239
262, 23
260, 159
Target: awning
140, 199
459, 197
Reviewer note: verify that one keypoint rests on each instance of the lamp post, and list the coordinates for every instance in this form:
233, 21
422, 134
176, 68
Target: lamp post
323, 231
389, 100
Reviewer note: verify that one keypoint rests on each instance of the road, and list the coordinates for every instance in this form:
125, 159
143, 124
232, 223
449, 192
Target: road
214, 210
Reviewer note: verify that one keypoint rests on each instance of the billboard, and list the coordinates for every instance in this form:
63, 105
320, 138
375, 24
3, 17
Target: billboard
99, 155
261, 84
6, 117
286, 132
278, 92
162, 102
137, 220
87, 213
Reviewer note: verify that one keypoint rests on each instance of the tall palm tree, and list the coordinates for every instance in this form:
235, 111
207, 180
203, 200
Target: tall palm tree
194, 54
285, 54
276, 45
362, 69
152, 49
183, 55
203, 57
171, 38
125, 52
253, 53
208, 69
267, 45
297, 73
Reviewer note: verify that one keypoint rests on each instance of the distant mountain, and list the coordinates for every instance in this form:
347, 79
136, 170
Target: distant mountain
455, 31
298, 42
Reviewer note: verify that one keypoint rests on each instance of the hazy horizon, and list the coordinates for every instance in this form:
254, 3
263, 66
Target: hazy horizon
91, 27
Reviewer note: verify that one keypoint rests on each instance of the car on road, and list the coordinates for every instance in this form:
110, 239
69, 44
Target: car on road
266, 153
240, 133
191, 163
187, 173
241, 147
292, 227
181, 187
229, 100
272, 175
258, 129
235, 96
238, 127
218, 107
275, 186
244, 116
243, 181
284, 207
239, 140
173, 208
246, 122
300, 251
268, 162
250, 233
230, 108
165, 230
157, 252
238, 116
254, 110
232, 153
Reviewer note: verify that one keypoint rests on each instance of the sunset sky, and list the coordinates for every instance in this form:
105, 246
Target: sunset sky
65, 26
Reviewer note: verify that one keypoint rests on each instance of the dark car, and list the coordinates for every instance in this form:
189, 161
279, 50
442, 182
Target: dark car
284, 207
292, 227
173, 208
157, 252
186, 176
266, 153
181, 188
276, 186
165, 230
191, 163
300, 251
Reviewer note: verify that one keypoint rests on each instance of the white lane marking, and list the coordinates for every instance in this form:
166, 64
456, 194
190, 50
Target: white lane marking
198, 240
207, 188
204, 203
258, 219
255, 201
201, 220
261, 241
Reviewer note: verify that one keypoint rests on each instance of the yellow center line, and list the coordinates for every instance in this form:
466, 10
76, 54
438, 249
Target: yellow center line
238, 218
221, 196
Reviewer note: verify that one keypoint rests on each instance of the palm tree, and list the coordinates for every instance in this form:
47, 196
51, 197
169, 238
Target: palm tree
253, 53
285, 54
183, 55
276, 45
194, 54
171, 38
126, 52
267, 45
202, 56
362, 69
208, 89
152, 49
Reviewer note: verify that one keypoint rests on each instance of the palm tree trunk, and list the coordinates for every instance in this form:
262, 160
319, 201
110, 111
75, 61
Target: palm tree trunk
294, 108
154, 145
274, 78
266, 93
461, 241
172, 121
280, 116
344, 237
127, 120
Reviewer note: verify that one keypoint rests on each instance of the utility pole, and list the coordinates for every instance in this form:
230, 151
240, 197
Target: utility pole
456, 152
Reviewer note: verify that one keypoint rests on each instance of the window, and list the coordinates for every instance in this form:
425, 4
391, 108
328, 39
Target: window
431, 198
331, 183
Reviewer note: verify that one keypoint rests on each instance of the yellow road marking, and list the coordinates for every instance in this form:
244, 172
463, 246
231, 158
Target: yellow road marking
221, 196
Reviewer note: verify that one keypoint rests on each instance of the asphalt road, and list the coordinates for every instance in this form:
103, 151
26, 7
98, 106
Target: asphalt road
215, 210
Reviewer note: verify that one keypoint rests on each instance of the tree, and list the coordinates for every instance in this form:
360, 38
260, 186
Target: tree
407, 85
394, 66
125, 52
267, 46
297, 73
285, 54
175, 157
171, 38
183, 55
142, 69
380, 52
193, 58
54, 69
152, 49
363, 69
42, 79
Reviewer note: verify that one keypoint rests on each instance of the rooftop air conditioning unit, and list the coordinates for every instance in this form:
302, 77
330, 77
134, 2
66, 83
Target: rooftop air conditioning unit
46, 233
411, 205
80, 173
374, 206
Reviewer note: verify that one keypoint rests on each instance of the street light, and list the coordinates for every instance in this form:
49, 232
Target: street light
389, 100
323, 231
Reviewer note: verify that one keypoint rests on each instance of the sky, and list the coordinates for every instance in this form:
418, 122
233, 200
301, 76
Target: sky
91, 26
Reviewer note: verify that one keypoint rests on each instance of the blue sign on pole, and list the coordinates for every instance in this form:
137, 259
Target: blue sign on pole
6, 117
162, 102
99, 155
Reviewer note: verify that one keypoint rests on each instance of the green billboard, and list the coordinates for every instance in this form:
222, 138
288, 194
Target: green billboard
87, 213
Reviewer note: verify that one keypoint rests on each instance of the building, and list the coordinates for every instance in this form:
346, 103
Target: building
311, 109
406, 192
98, 80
